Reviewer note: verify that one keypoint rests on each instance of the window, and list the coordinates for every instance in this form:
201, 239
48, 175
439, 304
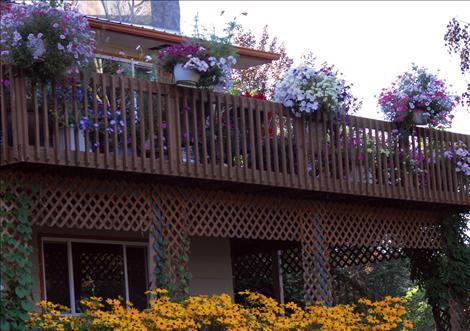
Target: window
130, 68
78, 269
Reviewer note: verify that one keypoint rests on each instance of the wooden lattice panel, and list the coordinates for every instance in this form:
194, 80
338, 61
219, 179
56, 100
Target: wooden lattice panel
248, 216
173, 213
364, 225
344, 256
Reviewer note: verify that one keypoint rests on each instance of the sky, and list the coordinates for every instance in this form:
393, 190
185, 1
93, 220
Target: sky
371, 43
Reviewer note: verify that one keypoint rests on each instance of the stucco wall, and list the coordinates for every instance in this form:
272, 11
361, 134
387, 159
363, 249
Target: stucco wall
210, 266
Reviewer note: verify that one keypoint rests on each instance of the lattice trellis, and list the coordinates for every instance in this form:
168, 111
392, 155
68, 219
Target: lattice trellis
172, 213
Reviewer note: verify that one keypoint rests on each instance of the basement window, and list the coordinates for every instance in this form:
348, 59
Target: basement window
78, 269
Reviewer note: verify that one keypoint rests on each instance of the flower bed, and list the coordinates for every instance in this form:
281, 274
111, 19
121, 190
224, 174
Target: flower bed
219, 313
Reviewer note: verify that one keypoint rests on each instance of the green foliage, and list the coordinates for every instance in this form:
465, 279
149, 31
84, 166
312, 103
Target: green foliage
445, 274
16, 281
418, 310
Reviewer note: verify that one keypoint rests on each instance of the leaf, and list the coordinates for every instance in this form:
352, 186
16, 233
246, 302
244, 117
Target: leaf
21, 292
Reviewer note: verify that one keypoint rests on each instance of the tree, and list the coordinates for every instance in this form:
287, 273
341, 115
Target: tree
166, 14
262, 77
457, 39
123, 10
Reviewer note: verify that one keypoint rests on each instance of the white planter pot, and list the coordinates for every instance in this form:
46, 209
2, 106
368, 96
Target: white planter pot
185, 76
70, 132
419, 118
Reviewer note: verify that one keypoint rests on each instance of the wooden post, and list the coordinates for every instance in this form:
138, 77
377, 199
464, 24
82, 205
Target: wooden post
277, 277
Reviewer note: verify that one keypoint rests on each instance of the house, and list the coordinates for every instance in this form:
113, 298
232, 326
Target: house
230, 190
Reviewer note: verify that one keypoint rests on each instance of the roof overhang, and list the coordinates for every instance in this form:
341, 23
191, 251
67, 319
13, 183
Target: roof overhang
132, 36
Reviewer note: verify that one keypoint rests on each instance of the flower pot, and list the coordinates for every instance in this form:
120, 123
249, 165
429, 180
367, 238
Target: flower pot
185, 76
419, 118
70, 132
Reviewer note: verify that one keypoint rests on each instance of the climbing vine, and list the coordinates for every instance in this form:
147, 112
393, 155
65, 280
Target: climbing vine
445, 274
16, 281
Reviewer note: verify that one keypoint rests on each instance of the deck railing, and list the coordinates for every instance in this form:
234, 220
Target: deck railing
120, 123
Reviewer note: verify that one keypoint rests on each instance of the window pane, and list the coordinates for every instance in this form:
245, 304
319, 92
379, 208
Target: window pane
56, 273
137, 276
98, 270
143, 72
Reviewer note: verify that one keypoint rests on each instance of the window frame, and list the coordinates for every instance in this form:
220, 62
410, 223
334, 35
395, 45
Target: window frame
131, 61
123, 243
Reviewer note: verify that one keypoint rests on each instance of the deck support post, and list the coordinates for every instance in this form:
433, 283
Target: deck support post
315, 260
278, 277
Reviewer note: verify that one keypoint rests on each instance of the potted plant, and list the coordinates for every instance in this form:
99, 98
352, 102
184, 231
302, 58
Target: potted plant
418, 98
193, 64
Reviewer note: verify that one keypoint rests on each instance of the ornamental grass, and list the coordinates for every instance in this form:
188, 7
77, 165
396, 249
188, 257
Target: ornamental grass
218, 312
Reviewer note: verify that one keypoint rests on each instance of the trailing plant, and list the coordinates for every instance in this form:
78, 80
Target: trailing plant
460, 157
445, 274
48, 42
16, 281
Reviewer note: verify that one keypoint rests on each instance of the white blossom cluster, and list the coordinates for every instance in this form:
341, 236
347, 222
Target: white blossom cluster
306, 90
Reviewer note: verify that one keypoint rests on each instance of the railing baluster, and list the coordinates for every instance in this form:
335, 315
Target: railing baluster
220, 137
266, 139
259, 141
274, 130
282, 128
4, 118
142, 122
194, 114
244, 138
123, 107
186, 132
251, 129
162, 138
212, 111
203, 98
236, 128
312, 140
115, 121
333, 126
290, 150
133, 124
96, 145
34, 92
150, 113
228, 145
86, 131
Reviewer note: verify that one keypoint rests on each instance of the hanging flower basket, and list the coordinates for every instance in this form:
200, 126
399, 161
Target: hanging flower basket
305, 90
418, 98
185, 76
49, 43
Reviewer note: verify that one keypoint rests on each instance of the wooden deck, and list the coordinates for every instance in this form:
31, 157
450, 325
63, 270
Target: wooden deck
154, 128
